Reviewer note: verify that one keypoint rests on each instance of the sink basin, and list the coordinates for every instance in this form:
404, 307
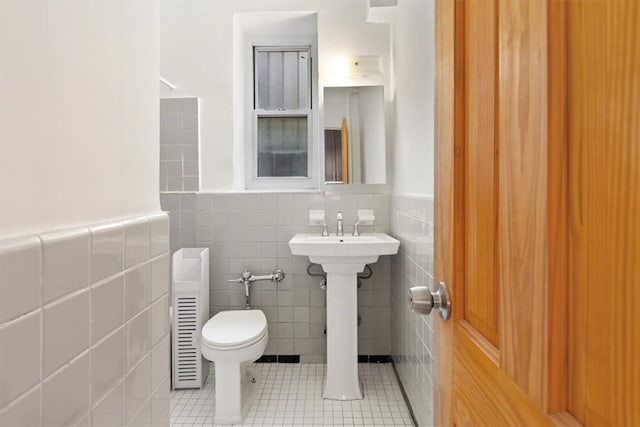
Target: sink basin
342, 258
363, 249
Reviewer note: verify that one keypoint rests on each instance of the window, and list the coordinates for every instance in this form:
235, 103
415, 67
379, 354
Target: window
282, 116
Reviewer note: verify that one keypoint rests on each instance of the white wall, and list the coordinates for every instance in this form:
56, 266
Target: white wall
196, 40
78, 112
413, 34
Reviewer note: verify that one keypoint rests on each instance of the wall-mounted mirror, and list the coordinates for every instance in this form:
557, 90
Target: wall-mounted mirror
354, 135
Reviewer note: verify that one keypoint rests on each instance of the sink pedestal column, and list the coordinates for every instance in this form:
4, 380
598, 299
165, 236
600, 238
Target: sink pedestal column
342, 258
341, 381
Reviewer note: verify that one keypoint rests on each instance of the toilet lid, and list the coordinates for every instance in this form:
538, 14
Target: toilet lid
235, 327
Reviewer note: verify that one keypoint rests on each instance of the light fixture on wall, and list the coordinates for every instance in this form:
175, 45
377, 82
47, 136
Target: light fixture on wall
344, 69
364, 66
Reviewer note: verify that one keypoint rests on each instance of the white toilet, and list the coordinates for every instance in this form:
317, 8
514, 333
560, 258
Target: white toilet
233, 340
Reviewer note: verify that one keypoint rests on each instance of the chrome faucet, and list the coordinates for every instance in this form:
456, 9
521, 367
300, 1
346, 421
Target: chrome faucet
339, 231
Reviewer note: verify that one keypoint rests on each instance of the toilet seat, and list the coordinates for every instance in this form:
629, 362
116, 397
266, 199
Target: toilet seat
231, 330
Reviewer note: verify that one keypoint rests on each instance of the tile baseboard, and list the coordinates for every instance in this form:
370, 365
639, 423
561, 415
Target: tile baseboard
295, 358
281, 358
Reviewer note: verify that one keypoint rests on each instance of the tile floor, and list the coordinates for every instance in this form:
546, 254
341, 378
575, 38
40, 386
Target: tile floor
289, 395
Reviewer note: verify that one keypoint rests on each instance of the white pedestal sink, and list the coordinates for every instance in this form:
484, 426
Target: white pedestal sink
342, 258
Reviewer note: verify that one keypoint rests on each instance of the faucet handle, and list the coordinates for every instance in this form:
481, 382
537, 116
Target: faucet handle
325, 231
355, 229
339, 216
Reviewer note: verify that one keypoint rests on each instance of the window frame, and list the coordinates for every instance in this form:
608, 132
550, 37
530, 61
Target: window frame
278, 182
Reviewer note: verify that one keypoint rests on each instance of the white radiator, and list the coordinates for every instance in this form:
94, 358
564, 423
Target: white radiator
190, 302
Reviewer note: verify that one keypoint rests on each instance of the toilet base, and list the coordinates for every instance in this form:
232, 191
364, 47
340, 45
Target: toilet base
235, 379
236, 387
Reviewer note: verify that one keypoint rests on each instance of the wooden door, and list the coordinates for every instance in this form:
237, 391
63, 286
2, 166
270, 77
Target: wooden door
538, 212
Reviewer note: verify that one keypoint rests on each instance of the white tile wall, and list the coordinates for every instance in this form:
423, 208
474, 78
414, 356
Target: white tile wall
65, 262
81, 313
137, 290
159, 320
110, 410
108, 364
66, 327
66, 396
137, 330
17, 261
24, 411
159, 239
179, 169
160, 404
20, 358
106, 250
136, 241
250, 230
107, 317
143, 417
137, 389
159, 276
412, 224
160, 359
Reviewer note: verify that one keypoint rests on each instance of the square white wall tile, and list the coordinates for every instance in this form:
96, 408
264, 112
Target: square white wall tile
136, 235
84, 422
109, 411
160, 405
160, 359
20, 266
159, 228
66, 330
65, 262
179, 139
66, 395
137, 340
137, 289
159, 277
142, 418
24, 412
107, 250
159, 319
19, 357
107, 364
137, 388
107, 307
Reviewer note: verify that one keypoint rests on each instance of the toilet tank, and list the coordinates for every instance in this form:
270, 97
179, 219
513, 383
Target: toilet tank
190, 302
